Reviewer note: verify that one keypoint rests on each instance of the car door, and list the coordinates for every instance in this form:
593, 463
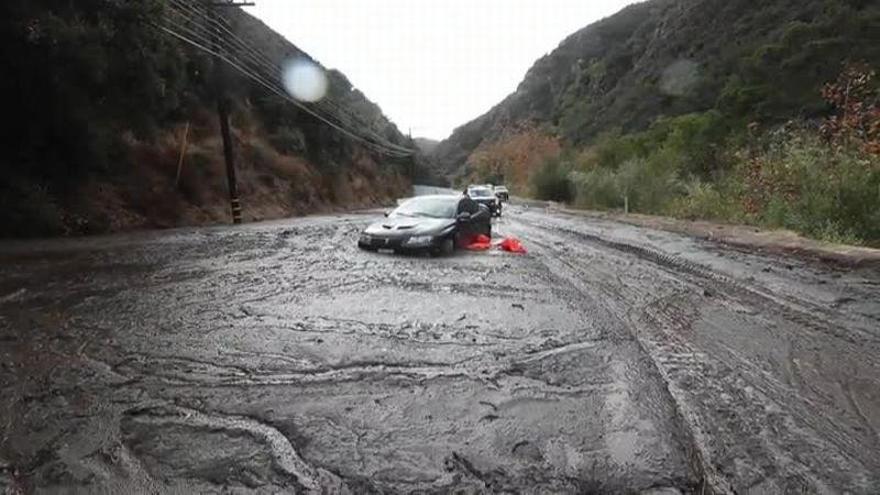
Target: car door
479, 216
468, 229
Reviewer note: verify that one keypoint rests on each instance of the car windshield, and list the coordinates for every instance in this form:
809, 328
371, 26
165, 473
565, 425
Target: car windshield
480, 192
431, 207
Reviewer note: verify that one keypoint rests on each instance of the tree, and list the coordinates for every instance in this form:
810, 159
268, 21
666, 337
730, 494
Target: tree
513, 158
856, 100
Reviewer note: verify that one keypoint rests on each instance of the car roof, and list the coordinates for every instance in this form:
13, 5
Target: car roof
451, 197
488, 191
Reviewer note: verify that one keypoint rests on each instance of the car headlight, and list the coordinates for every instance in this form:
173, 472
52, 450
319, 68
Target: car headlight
365, 238
419, 240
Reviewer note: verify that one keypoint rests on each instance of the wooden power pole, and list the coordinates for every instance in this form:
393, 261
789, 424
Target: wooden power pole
223, 104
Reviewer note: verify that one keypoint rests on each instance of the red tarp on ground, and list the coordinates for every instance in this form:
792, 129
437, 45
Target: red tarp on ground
483, 243
480, 243
512, 245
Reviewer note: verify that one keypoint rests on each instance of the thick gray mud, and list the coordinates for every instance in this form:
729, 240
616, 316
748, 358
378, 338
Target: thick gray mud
278, 357
772, 362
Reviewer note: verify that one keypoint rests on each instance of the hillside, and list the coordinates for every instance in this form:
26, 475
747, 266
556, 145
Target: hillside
761, 61
101, 101
426, 145
763, 113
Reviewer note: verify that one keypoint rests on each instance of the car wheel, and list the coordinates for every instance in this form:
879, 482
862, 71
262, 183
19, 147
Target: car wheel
447, 247
367, 248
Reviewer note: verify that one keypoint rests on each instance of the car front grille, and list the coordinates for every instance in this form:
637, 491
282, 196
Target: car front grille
385, 242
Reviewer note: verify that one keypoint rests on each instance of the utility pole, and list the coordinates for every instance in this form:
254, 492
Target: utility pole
412, 159
223, 104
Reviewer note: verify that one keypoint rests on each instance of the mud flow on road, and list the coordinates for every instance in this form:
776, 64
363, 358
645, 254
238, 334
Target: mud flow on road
278, 357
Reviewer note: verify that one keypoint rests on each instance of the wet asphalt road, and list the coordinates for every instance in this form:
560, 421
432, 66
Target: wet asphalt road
277, 357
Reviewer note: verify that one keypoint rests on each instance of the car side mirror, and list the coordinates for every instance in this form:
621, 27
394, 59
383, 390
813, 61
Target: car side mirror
387, 213
463, 217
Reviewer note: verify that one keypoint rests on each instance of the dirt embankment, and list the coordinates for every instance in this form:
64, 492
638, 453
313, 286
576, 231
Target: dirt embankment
166, 186
753, 238
747, 237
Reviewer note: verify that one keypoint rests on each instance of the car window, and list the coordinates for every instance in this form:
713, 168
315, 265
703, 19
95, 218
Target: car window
480, 192
428, 206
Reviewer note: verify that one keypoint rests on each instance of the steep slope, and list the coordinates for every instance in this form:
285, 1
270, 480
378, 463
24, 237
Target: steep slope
104, 100
760, 61
426, 145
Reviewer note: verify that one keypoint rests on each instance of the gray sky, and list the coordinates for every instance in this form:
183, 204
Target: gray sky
431, 65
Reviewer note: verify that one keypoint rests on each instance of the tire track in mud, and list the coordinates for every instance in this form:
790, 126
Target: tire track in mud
676, 361
663, 316
795, 310
182, 371
303, 477
709, 479
288, 366
504, 376
179, 371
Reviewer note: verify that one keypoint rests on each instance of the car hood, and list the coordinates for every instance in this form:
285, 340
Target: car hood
393, 226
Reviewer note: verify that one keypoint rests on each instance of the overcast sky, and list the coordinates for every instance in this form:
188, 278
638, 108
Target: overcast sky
431, 65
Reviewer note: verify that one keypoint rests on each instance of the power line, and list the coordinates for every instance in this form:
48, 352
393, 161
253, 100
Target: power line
276, 91
191, 13
259, 60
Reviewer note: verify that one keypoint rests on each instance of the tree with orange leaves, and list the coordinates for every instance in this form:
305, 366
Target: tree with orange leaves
512, 158
856, 99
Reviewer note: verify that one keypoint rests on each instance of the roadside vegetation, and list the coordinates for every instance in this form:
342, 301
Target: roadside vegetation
730, 110
819, 177
100, 101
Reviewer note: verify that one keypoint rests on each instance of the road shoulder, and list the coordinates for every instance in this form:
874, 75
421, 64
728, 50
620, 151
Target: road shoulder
783, 242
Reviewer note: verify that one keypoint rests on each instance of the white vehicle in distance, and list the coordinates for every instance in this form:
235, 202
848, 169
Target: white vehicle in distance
485, 195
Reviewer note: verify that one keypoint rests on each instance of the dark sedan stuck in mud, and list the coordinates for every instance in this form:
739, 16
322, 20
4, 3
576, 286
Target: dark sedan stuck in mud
436, 224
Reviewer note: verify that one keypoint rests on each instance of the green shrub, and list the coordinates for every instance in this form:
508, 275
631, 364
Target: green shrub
29, 210
693, 143
795, 181
696, 141
612, 149
597, 188
705, 200
832, 231
803, 184
551, 181
651, 185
